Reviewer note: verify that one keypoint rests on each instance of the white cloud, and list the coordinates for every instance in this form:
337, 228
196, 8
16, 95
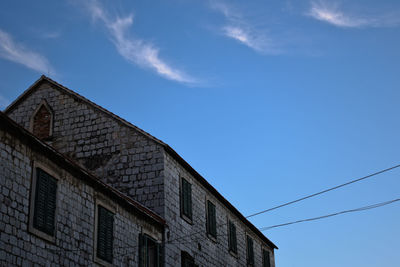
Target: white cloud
133, 49
4, 102
17, 53
240, 30
330, 13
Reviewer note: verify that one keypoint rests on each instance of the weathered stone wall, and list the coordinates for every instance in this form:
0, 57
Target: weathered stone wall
74, 236
120, 155
206, 252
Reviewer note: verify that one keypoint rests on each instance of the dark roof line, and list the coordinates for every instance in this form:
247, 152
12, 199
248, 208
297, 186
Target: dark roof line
10, 126
167, 148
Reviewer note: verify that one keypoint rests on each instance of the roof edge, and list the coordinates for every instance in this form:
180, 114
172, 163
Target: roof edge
167, 148
9, 125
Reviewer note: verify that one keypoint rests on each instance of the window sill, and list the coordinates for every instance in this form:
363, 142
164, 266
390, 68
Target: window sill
187, 219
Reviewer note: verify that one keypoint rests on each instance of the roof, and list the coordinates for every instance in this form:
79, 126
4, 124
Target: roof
167, 148
32, 141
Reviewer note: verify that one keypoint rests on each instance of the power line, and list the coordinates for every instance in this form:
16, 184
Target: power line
333, 214
323, 191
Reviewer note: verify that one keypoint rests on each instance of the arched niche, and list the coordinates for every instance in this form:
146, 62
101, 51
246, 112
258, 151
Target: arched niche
41, 123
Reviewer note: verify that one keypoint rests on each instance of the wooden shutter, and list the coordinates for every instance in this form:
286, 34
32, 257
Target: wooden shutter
266, 258
250, 252
211, 219
45, 202
232, 237
186, 198
105, 234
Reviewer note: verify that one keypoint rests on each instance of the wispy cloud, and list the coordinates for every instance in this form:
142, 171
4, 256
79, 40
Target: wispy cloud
239, 29
135, 50
4, 102
18, 53
331, 13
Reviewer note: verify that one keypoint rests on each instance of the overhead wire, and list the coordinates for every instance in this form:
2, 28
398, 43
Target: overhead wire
323, 191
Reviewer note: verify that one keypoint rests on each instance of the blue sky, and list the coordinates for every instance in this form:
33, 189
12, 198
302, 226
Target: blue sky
268, 100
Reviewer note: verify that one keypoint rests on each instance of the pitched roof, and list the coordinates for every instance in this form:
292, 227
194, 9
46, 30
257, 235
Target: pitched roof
32, 141
167, 148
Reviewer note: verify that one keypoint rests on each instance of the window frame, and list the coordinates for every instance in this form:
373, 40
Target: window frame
211, 235
263, 250
31, 228
233, 250
32, 118
158, 252
111, 208
249, 256
187, 217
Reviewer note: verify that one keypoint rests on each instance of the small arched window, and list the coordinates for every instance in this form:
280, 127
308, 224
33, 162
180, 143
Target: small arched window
42, 121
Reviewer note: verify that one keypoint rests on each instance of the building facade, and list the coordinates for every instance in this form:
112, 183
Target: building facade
202, 227
54, 213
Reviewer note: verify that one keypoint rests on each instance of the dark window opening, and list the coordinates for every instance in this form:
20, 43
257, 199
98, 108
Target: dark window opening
211, 219
105, 234
266, 259
187, 260
45, 202
42, 123
186, 199
150, 252
232, 237
250, 251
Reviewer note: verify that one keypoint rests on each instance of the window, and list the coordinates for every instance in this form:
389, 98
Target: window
266, 258
41, 123
211, 219
44, 206
150, 252
187, 260
105, 234
232, 237
250, 252
186, 199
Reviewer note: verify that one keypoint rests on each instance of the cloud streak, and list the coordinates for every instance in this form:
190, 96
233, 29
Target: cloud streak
134, 50
240, 30
17, 53
331, 13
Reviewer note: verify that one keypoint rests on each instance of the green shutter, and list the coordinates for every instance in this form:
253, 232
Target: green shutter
186, 198
45, 202
105, 234
266, 259
211, 219
232, 237
250, 252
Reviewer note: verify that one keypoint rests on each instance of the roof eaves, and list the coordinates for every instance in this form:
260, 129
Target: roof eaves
10, 125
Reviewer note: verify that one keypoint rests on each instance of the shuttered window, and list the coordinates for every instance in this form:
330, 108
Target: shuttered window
150, 252
187, 260
211, 219
266, 260
250, 252
232, 237
105, 234
186, 198
45, 202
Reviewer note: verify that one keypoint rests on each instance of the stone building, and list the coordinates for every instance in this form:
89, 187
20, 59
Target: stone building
54, 213
202, 227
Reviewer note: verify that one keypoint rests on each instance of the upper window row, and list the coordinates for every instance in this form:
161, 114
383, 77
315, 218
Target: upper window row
211, 224
42, 223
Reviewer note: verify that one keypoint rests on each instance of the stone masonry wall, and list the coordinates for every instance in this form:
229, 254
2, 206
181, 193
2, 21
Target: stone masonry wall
205, 251
74, 242
120, 155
